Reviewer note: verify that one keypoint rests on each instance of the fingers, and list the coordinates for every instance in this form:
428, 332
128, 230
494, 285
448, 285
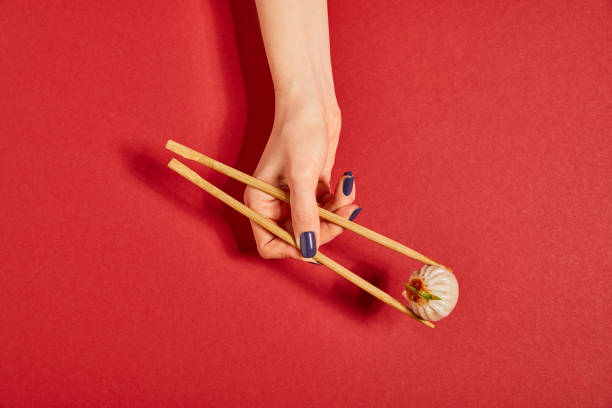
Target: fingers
275, 248
268, 245
329, 230
305, 211
308, 230
345, 193
323, 192
342, 204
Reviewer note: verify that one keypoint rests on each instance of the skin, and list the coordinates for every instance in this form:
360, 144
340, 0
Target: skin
301, 149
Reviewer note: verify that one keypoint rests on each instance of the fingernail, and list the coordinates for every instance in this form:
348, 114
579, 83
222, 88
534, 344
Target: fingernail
308, 244
348, 173
347, 185
355, 214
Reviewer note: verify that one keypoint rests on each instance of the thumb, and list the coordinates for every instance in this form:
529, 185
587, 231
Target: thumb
305, 214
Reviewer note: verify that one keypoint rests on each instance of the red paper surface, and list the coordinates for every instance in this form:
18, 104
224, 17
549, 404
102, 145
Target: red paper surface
478, 133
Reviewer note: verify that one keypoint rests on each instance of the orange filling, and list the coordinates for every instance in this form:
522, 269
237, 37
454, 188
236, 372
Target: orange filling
418, 285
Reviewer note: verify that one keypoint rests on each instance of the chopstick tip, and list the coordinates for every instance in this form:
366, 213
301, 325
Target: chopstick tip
169, 143
173, 163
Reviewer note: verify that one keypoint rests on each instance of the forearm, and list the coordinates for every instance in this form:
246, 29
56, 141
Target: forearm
296, 37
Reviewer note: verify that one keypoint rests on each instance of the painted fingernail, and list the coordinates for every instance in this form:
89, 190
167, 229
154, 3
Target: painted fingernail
355, 214
348, 173
308, 244
347, 185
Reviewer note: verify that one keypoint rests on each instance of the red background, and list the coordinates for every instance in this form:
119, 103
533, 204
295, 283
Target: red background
479, 134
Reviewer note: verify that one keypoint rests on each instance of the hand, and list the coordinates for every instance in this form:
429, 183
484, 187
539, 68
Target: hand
300, 152
299, 157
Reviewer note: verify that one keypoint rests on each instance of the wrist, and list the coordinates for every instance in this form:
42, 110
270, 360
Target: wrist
312, 98
310, 84
307, 111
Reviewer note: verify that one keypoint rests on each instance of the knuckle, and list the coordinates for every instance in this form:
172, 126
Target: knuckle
335, 231
344, 200
302, 217
334, 122
302, 175
332, 232
251, 196
248, 195
264, 252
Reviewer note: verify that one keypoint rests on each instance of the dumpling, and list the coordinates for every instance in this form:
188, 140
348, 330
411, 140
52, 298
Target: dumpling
432, 292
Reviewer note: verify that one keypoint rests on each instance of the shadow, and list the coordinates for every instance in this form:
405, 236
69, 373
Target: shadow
343, 295
259, 91
149, 165
354, 300
151, 168
152, 171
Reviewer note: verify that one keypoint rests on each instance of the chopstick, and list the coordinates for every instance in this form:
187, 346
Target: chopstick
195, 178
191, 154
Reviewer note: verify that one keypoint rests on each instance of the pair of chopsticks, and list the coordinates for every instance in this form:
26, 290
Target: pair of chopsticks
192, 176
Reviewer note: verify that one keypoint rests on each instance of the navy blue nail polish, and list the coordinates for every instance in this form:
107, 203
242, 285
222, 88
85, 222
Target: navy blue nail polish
355, 214
348, 173
347, 185
308, 244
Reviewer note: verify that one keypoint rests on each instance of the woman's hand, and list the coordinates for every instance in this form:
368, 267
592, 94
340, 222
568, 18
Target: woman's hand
300, 152
299, 157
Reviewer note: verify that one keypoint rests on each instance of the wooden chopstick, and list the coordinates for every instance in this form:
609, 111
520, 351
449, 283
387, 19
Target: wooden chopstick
195, 178
191, 154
